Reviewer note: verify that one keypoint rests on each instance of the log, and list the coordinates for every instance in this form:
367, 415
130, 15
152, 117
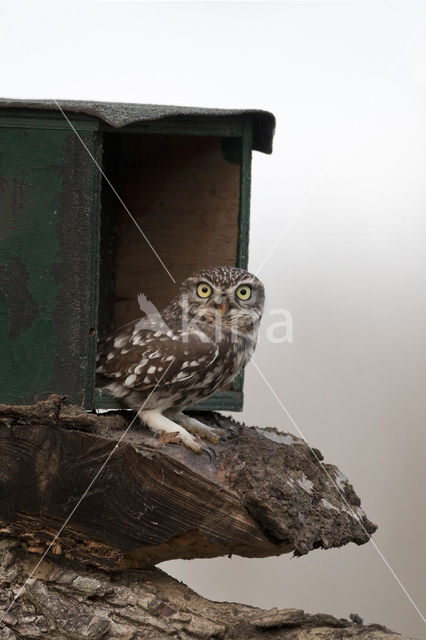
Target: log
63, 603
259, 493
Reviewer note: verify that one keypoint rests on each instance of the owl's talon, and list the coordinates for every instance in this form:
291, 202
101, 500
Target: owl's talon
209, 452
212, 434
196, 427
190, 442
220, 432
231, 432
165, 437
211, 437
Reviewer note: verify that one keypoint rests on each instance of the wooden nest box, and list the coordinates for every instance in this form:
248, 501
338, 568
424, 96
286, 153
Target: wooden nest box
72, 261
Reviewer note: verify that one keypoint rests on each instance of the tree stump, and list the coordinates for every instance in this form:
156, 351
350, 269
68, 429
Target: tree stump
258, 493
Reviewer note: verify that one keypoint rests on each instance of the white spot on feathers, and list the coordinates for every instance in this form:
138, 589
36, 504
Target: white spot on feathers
209, 377
130, 380
142, 364
181, 376
117, 389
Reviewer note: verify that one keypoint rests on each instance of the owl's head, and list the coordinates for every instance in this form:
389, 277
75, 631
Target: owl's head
227, 295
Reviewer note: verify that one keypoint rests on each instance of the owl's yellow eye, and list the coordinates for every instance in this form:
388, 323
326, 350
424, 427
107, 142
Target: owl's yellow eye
204, 290
243, 292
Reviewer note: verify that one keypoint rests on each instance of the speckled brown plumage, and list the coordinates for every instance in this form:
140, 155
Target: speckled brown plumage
164, 362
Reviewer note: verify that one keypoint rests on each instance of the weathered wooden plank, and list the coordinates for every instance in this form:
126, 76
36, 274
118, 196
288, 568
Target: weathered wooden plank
245, 191
49, 227
229, 127
24, 119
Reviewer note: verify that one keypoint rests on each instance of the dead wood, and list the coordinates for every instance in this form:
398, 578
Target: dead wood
260, 493
61, 603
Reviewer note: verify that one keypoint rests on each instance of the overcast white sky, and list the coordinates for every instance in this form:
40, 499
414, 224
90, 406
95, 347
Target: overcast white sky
347, 83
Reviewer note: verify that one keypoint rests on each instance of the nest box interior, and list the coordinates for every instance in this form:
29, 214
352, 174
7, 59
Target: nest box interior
183, 192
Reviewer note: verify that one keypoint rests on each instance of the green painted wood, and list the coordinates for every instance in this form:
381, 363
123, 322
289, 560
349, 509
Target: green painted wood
49, 238
241, 152
224, 401
245, 189
108, 234
222, 126
21, 118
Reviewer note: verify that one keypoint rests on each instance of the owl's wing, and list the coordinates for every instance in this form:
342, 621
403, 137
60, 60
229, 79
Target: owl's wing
147, 358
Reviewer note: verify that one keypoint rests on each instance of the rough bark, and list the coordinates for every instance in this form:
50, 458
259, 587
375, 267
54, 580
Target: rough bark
62, 603
260, 493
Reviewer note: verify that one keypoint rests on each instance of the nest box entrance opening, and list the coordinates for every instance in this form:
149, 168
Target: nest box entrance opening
180, 211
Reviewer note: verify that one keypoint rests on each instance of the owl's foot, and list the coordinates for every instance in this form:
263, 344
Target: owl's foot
157, 422
198, 428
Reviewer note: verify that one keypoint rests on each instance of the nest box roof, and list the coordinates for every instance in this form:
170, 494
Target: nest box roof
117, 114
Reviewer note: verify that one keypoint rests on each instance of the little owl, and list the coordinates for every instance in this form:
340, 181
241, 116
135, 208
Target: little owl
164, 362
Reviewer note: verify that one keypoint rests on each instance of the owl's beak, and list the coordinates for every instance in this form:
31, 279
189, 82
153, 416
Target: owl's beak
223, 307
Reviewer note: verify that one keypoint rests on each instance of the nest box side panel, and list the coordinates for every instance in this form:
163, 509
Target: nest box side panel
49, 228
